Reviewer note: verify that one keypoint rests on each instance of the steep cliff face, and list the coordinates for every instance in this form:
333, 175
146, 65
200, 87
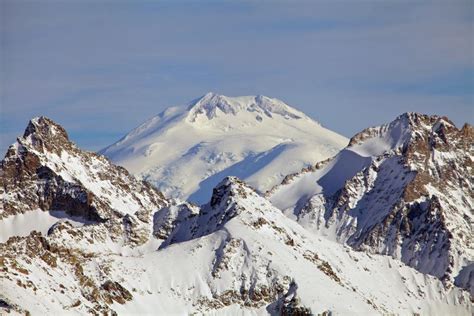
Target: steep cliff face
403, 189
81, 235
44, 171
239, 254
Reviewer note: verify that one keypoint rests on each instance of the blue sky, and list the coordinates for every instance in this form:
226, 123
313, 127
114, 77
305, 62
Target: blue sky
100, 68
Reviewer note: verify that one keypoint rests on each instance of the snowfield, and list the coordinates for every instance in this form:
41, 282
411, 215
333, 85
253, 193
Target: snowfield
24, 224
384, 227
186, 151
250, 259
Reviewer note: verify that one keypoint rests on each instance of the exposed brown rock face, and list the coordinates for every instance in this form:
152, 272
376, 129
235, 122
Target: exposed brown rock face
44, 170
414, 201
237, 250
432, 218
290, 305
47, 135
444, 138
51, 256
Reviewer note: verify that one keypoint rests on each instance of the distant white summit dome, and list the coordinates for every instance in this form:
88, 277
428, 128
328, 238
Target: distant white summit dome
186, 150
211, 103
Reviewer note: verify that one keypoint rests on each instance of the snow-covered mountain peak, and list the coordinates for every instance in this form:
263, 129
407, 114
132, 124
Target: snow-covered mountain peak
44, 174
417, 122
399, 134
230, 188
80, 235
403, 188
186, 151
213, 105
44, 134
45, 127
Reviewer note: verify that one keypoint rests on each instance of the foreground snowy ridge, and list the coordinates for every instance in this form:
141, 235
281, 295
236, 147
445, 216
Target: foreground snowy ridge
120, 246
185, 151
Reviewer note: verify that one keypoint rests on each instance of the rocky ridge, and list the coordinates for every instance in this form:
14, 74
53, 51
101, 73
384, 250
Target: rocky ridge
249, 258
409, 194
147, 254
44, 171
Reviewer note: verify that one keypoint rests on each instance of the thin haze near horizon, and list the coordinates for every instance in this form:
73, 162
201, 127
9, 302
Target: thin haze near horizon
100, 68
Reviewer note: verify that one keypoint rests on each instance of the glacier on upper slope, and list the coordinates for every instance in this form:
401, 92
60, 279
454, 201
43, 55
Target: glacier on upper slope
185, 151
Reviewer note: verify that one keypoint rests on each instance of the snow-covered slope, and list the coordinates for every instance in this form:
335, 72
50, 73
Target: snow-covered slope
82, 236
403, 189
185, 151
44, 177
237, 255
85, 237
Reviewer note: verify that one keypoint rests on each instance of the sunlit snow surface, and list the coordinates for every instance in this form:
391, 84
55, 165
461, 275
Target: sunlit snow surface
41, 221
345, 165
178, 277
186, 151
238, 243
355, 193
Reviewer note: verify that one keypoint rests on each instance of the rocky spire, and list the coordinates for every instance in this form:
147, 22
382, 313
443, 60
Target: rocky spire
44, 134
